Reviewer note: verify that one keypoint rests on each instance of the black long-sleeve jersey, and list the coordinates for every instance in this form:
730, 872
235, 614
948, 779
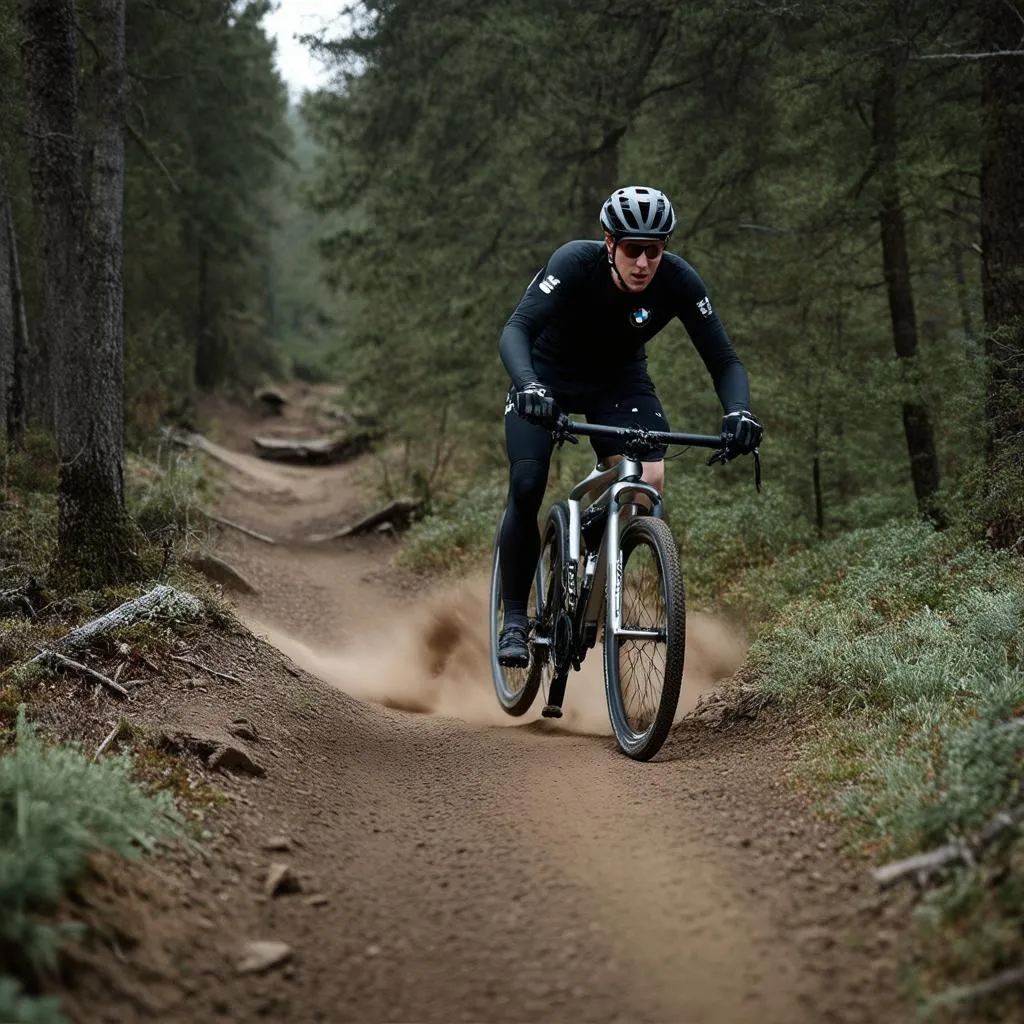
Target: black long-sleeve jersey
576, 332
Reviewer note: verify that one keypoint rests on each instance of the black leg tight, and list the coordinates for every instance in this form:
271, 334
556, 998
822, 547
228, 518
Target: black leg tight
529, 455
519, 546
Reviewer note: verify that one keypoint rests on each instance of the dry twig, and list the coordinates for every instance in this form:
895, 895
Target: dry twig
923, 865
1013, 977
61, 661
238, 526
206, 668
111, 736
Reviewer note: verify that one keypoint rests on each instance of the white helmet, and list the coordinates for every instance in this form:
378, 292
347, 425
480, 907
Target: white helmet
638, 212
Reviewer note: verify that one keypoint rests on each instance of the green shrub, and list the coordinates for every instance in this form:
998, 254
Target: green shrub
906, 647
167, 495
724, 531
459, 536
16, 1008
56, 808
32, 468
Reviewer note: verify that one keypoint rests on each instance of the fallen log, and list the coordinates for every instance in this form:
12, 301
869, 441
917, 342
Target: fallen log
161, 600
398, 513
316, 450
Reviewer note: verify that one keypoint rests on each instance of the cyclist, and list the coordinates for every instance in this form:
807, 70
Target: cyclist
577, 342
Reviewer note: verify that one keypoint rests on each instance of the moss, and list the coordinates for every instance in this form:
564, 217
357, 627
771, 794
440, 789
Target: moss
158, 771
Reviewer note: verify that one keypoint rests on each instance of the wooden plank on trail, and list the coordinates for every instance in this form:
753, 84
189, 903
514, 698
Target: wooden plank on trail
317, 450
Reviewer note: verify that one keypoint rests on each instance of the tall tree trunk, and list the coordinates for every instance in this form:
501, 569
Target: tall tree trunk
13, 327
81, 325
95, 538
917, 427
1002, 264
50, 69
6, 308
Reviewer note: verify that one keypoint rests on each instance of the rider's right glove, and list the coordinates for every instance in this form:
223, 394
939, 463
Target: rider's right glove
537, 405
741, 433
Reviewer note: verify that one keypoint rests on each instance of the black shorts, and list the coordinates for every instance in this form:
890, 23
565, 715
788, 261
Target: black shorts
629, 403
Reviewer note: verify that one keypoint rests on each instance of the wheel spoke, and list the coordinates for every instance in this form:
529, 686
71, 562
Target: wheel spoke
644, 659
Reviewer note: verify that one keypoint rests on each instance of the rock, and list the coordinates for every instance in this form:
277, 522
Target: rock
261, 956
272, 400
281, 879
219, 571
234, 759
244, 730
279, 844
319, 900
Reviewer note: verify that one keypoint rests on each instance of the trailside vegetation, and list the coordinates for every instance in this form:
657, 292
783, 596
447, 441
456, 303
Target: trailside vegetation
849, 184
57, 809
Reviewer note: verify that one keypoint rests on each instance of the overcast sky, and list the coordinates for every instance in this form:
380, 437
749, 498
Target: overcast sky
294, 18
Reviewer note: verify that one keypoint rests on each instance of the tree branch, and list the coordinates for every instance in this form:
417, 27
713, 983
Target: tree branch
151, 156
969, 56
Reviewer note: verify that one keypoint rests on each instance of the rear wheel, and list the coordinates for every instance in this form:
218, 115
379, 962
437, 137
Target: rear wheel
516, 688
643, 663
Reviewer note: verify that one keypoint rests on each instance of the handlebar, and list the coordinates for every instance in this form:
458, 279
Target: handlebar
637, 435
638, 439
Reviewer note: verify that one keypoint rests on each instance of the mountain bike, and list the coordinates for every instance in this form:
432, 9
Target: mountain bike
614, 563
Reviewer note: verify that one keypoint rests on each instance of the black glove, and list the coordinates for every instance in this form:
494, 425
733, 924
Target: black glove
536, 405
741, 433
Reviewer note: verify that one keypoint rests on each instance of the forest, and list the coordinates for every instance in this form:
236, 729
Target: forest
849, 184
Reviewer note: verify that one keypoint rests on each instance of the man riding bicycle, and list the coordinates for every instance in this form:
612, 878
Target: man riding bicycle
576, 342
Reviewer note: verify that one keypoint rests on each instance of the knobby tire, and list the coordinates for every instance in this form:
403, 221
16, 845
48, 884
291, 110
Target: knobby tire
647, 536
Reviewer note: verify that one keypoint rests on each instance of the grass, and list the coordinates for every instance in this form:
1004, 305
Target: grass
905, 648
57, 808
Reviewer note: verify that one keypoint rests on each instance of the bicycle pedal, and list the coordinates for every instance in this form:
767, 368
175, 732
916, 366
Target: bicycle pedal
551, 711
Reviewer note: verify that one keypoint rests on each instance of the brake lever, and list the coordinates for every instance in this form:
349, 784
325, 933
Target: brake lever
560, 434
723, 455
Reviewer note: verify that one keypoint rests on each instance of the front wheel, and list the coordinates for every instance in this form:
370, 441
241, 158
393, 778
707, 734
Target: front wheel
643, 657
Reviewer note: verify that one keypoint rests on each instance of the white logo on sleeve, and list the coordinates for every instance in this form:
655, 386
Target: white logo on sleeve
549, 284
705, 308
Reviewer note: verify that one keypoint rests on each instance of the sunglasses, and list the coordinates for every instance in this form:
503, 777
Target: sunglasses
634, 250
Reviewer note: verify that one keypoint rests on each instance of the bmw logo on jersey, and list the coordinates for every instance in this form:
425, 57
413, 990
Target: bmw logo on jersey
640, 317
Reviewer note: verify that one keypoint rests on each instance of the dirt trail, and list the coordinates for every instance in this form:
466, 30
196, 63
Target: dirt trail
521, 873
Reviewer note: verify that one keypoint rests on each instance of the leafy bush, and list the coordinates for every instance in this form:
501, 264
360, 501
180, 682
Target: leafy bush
56, 808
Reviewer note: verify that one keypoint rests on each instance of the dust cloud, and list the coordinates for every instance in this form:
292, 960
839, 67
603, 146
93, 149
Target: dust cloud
435, 660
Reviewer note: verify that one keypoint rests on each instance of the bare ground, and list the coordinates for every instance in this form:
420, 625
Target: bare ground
455, 865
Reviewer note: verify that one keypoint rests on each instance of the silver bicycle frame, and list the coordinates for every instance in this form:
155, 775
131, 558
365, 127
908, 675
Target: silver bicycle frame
619, 485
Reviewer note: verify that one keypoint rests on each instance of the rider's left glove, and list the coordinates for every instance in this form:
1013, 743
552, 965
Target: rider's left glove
741, 433
537, 405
